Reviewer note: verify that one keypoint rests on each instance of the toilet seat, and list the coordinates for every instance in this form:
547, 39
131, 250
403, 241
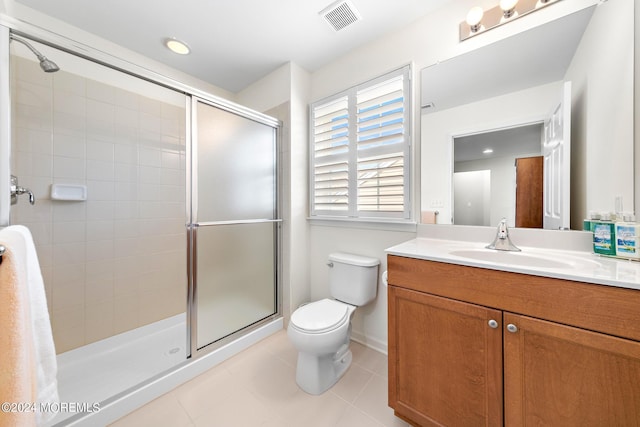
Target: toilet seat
320, 316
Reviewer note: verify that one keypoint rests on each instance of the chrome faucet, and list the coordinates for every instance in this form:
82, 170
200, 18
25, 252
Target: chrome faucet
16, 191
502, 242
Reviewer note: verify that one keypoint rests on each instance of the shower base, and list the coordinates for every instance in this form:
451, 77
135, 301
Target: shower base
100, 370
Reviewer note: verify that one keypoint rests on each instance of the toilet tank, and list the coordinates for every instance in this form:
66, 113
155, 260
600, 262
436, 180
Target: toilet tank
353, 278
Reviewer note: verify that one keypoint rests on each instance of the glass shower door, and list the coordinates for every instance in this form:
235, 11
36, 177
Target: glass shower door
234, 224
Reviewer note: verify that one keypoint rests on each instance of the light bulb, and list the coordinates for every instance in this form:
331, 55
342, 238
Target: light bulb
508, 7
474, 17
177, 46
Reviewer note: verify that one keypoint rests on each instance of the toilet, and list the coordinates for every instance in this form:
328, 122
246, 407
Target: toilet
321, 330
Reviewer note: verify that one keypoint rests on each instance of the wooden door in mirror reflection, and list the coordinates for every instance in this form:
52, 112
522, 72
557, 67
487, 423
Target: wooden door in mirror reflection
529, 186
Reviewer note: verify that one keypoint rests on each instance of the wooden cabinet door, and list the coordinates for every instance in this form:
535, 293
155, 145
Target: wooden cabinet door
529, 194
556, 375
445, 361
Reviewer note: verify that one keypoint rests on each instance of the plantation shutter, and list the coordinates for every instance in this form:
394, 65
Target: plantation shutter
330, 157
360, 151
381, 143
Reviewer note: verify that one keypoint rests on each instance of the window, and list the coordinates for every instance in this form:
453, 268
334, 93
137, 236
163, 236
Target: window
360, 151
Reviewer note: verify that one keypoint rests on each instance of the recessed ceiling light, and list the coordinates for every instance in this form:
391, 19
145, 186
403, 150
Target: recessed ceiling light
177, 46
487, 151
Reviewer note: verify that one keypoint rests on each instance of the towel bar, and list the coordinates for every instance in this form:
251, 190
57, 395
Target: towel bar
2, 249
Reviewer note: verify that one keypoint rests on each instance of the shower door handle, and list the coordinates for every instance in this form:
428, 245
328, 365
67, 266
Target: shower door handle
235, 222
16, 191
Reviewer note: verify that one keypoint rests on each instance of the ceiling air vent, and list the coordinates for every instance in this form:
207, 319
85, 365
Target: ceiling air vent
340, 14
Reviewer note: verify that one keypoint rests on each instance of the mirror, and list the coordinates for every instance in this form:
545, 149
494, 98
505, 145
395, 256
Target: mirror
489, 183
515, 82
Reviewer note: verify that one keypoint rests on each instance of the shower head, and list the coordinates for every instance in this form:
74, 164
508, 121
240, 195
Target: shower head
47, 65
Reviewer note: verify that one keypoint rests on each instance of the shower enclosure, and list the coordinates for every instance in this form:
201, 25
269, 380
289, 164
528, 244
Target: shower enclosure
234, 225
155, 216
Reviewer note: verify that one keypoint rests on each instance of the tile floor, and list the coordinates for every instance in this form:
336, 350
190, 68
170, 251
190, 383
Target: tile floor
257, 388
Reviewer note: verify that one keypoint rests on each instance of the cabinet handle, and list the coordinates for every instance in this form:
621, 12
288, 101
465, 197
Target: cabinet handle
512, 328
493, 324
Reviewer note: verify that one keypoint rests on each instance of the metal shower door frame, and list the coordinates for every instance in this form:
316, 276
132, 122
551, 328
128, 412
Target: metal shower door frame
193, 224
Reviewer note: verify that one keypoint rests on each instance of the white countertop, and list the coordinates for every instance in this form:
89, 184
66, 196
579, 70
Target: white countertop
561, 264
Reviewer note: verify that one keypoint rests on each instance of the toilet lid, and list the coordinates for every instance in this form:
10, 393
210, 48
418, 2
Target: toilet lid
320, 316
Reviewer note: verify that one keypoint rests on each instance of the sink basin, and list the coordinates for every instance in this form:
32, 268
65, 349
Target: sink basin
512, 258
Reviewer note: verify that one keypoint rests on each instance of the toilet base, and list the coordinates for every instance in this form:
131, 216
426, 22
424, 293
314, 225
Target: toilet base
315, 375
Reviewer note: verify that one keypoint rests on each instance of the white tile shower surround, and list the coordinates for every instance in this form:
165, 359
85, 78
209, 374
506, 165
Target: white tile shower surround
257, 388
128, 149
99, 370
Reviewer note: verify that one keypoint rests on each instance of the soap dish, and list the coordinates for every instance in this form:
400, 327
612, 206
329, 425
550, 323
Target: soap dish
68, 192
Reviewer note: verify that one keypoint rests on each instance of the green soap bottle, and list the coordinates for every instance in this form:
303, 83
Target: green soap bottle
604, 237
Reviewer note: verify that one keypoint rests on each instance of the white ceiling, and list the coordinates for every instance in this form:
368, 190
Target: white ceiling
234, 42
512, 142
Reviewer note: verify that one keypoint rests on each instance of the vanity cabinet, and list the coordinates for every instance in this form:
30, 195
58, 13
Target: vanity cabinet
476, 347
443, 352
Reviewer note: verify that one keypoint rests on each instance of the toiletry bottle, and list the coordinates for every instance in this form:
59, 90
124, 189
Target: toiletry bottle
604, 240
627, 232
587, 223
619, 214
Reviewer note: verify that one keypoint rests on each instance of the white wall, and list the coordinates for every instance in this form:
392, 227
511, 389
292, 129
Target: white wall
299, 271
271, 90
472, 199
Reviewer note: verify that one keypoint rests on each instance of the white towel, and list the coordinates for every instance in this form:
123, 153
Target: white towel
17, 366
19, 237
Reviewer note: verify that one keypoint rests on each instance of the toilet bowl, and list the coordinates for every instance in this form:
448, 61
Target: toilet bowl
321, 330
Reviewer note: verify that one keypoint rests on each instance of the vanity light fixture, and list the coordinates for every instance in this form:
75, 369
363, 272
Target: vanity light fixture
487, 151
508, 8
177, 46
474, 19
479, 21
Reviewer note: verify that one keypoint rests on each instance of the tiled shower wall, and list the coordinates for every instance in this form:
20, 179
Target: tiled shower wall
116, 261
